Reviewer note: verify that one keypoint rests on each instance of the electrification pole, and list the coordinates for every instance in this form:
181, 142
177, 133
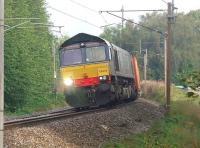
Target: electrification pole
168, 63
54, 66
1, 71
145, 66
122, 10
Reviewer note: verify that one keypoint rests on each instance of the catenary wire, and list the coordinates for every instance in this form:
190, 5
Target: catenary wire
164, 1
149, 28
74, 17
86, 7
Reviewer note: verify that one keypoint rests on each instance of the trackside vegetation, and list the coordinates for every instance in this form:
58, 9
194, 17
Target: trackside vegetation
186, 35
180, 128
28, 59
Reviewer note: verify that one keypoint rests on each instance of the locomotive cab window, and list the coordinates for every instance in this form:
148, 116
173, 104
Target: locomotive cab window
95, 54
70, 57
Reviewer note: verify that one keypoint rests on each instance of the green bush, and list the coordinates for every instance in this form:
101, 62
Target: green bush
153, 90
28, 57
40, 105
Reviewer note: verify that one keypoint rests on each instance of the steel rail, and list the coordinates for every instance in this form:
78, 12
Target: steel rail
49, 116
58, 114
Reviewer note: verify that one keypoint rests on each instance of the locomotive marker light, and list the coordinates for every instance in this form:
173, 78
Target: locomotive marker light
82, 45
68, 82
103, 78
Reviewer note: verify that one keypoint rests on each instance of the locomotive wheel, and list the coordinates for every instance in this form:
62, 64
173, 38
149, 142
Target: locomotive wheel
134, 94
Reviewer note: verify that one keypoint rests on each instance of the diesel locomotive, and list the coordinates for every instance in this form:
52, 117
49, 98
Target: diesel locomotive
96, 72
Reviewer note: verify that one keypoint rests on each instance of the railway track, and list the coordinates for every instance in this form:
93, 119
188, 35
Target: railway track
57, 114
49, 116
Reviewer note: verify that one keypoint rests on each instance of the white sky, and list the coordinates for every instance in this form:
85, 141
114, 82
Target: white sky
73, 26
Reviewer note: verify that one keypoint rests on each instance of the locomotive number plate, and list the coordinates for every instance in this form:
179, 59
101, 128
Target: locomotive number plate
103, 71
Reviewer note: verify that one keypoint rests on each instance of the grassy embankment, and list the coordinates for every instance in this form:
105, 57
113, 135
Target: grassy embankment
39, 105
180, 128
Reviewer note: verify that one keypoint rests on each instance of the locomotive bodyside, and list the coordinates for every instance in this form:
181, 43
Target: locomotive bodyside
121, 62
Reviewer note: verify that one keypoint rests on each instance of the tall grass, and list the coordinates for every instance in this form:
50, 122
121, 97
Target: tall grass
154, 90
40, 105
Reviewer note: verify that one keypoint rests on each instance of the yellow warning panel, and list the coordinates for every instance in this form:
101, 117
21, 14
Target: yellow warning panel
85, 71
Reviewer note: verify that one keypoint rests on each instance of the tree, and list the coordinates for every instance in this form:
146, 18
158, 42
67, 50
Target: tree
186, 34
28, 57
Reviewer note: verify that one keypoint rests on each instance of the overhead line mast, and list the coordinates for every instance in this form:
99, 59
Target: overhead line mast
168, 53
123, 10
123, 19
1, 72
136, 10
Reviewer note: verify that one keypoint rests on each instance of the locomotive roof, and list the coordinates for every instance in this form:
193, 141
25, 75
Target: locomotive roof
82, 37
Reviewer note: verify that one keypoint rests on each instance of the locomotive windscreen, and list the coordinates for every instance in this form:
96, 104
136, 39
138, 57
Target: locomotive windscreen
83, 55
94, 54
70, 57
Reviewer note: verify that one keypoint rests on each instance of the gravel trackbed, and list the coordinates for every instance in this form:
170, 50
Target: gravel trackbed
86, 131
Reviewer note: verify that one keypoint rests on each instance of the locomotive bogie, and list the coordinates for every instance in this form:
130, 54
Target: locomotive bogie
88, 96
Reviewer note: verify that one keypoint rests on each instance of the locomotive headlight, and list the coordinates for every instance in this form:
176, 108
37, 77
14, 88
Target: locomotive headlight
68, 82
